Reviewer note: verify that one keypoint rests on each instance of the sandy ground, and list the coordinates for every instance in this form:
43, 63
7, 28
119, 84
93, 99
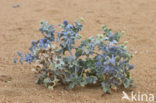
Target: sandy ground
18, 27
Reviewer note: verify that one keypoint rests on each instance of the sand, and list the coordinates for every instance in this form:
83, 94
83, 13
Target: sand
19, 22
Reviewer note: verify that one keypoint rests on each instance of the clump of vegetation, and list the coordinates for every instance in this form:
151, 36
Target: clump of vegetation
96, 60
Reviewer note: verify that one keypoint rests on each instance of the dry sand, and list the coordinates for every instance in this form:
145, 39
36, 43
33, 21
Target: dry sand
18, 27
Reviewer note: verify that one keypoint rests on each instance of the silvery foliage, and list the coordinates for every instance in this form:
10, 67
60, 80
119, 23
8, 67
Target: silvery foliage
99, 60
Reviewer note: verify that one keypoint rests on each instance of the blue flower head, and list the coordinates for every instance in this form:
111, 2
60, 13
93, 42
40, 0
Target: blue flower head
47, 30
65, 22
33, 45
98, 64
108, 69
29, 58
44, 42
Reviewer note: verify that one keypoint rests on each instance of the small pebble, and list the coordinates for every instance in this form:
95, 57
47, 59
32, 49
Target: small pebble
136, 52
90, 12
16, 5
131, 49
62, 92
33, 70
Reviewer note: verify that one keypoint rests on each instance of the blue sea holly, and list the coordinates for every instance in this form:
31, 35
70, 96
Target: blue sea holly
93, 60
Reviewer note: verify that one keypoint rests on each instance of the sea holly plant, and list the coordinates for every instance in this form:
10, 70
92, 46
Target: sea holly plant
96, 60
